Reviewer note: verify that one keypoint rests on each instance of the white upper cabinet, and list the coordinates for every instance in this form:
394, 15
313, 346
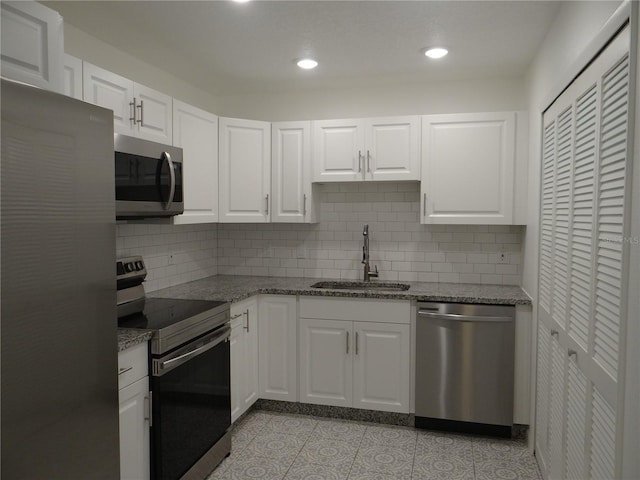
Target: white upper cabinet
245, 170
392, 148
337, 150
72, 77
138, 111
196, 132
468, 168
292, 195
386, 148
32, 44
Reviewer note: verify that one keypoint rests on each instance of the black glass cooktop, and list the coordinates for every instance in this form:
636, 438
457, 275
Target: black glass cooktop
160, 313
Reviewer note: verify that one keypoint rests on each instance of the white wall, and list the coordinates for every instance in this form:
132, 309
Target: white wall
87, 47
469, 95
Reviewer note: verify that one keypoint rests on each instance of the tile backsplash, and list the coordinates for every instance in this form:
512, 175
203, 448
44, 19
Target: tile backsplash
402, 249
173, 254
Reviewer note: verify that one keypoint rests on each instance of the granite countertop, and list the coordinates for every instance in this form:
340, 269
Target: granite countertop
129, 337
233, 288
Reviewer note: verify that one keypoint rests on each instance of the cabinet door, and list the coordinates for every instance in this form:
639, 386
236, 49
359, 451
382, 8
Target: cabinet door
106, 89
326, 362
244, 356
392, 148
134, 431
153, 116
338, 150
196, 132
468, 168
277, 348
237, 347
72, 77
245, 170
291, 176
32, 44
381, 370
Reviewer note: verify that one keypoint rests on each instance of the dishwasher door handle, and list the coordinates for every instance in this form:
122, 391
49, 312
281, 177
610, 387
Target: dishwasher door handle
463, 318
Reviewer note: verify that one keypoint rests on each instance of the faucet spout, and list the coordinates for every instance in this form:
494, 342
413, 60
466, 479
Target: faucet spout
368, 273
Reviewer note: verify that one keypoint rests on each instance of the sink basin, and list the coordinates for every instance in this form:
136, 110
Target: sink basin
395, 287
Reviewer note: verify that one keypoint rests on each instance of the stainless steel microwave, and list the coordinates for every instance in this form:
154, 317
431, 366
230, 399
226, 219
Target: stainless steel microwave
149, 179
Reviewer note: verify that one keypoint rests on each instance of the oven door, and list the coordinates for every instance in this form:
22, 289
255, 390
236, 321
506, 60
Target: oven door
148, 178
191, 403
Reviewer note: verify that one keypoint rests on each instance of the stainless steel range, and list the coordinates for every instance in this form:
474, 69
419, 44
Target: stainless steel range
189, 364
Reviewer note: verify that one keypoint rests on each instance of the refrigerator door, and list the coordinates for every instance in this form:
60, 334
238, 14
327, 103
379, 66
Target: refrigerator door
59, 328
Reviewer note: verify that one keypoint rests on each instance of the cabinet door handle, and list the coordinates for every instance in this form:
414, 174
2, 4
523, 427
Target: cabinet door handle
554, 333
247, 314
149, 415
424, 204
359, 161
266, 211
124, 370
368, 161
347, 343
141, 107
356, 343
134, 107
304, 205
572, 353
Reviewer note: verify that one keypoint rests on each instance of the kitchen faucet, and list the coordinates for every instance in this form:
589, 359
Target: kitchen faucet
365, 256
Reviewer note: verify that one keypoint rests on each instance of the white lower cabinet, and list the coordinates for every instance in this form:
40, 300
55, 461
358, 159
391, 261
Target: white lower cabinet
244, 356
355, 353
277, 347
135, 409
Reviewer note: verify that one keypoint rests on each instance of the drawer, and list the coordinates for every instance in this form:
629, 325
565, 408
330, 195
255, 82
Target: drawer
356, 309
132, 365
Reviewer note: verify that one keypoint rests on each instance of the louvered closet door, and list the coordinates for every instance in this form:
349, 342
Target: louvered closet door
582, 261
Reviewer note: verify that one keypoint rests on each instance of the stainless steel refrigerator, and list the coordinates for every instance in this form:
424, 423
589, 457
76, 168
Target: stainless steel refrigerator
59, 407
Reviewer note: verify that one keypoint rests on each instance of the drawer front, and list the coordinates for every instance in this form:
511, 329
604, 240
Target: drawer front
132, 365
356, 309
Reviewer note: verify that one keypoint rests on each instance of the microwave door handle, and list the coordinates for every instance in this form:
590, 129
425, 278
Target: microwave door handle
172, 175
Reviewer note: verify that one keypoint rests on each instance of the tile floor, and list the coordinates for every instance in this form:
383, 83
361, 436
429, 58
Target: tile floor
270, 446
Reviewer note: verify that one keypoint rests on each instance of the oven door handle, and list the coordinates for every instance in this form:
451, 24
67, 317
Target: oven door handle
162, 367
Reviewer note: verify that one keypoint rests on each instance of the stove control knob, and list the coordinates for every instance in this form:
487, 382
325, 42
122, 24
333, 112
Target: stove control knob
139, 265
129, 267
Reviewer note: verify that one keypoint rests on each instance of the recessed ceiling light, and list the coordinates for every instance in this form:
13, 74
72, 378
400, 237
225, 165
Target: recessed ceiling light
241, 1
437, 52
307, 63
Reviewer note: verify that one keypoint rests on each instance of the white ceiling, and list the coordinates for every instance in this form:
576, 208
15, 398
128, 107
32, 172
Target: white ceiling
226, 47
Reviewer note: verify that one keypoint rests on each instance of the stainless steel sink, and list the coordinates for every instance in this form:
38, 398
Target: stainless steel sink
395, 287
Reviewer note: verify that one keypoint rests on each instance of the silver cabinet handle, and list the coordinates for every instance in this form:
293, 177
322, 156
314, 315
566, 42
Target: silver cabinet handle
424, 205
266, 211
124, 370
368, 161
463, 318
356, 343
172, 175
133, 106
247, 314
554, 333
304, 205
149, 401
141, 107
347, 343
233, 317
572, 353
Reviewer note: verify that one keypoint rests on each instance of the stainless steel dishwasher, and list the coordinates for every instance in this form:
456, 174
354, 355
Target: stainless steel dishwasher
464, 367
